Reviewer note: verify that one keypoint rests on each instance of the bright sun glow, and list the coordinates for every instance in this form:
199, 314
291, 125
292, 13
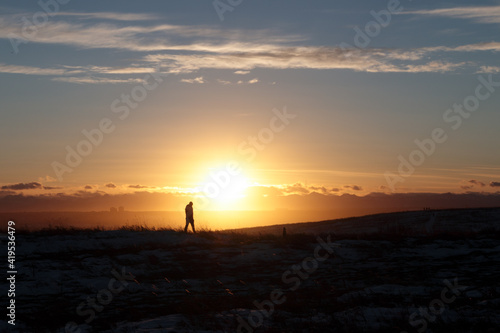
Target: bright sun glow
225, 189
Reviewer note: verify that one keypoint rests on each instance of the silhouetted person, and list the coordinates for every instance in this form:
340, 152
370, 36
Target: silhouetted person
284, 232
189, 217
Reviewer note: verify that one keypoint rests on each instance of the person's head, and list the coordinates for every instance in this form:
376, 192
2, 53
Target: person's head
190, 203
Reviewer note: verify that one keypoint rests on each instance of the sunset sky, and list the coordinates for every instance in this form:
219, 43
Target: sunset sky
248, 102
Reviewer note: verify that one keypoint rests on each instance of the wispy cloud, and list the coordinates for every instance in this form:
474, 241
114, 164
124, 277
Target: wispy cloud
353, 187
53, 187
470, 184
104, 33
96, 80
302, 189
195, 80
30, 70
489, 69
482, 14
369, 60
111, 16
477, 182
22, 186
224, 82
139, 186
487, 46
187, 49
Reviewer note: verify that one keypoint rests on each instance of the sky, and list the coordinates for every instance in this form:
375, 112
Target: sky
247, 104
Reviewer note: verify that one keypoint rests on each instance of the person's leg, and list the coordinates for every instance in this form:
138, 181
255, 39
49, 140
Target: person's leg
186, 227
192, 225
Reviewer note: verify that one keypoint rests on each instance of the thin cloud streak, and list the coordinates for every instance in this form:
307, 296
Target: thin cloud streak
95, 80
483, 14
29, 70
111, 16
106, 35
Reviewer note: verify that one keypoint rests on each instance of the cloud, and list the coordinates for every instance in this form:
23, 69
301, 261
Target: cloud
189, 48
482, 14
224, 82
470, 184
29, 70
252, 81
301, 189
495, 184
86, 194
96, 80
73, 74
486, 46
23, 186
489, 69
110, 185
264, 191
138, 186
195, 80
88, 187
88, 33
282, 190
46, 179
366, 60
53, 187
296, 188
111, 16
319, 189
354, 187
269, 198
476, 182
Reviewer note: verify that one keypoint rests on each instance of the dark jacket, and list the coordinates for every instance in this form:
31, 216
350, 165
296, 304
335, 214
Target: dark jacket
189, 213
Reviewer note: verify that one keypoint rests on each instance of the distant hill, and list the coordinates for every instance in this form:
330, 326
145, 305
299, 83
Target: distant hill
417, 223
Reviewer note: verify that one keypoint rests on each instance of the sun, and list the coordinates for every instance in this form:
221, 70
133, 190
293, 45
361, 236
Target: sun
224, 188
232, 193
